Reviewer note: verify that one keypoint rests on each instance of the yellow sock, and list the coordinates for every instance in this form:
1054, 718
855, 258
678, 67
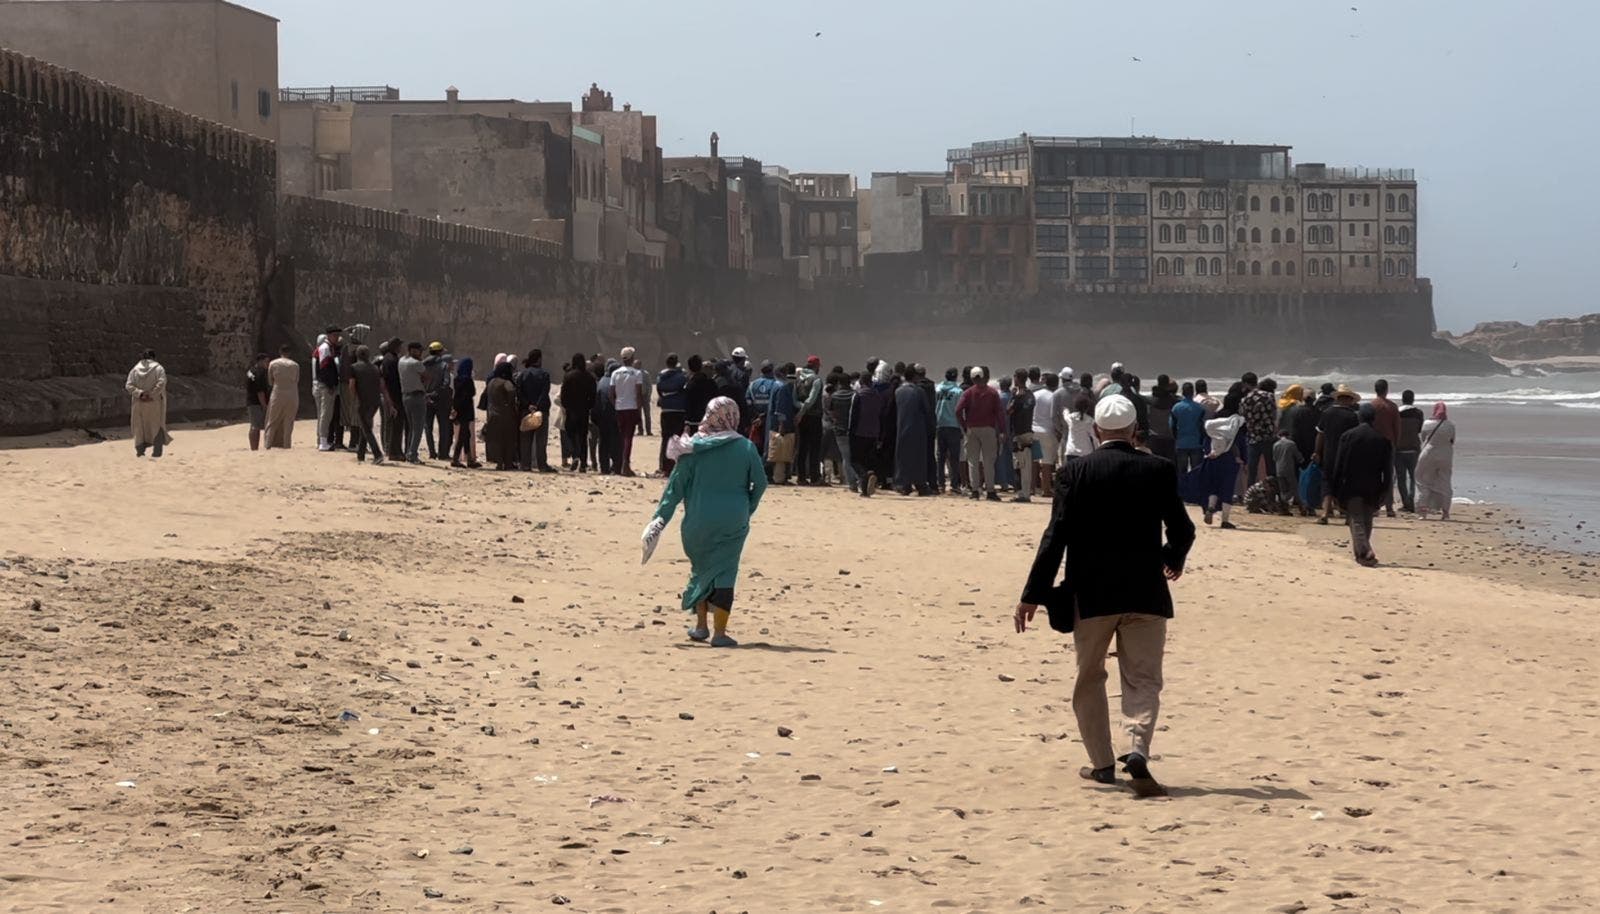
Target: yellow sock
721, 616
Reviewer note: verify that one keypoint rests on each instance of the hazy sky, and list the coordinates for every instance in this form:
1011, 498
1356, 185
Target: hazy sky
1494, 104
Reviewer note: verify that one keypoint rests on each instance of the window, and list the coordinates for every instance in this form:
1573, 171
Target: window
1352, 198
1288, 205
1327, 202
1352, 260
264, 103
1216, 266
1274, 204
1202, 199
974, 272
947, 239
1133, 268
1205, 233
813, 224
947, 270
1405, 266
1054, 270
1000, 270
1404, 234
1002, 238
1217, 234
1180, 200
1199, 266
233, 89
1366, 199
1277, 236
1050, 203
1288, 235
1311, 203
1288, 267
1050, 237
830, 224
963, 207
1238, 203
1239, 268
1092, 205
1255, 235
1238, 235
982, 208
1166, 203
1091, 237
1327, 266
1180, 234
1165, 234
1352, 232
1092, 268
1132, 204
1177, 266
1388, 202
1161, 266
1366, 230
1388, 266
1255, 204
974, 237
1313, 268
1277, 268
1255, 268
1388, 234
1366, 260
1132, 236
1405, 203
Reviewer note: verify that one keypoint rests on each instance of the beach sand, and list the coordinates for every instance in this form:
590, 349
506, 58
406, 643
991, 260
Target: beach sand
1419, 737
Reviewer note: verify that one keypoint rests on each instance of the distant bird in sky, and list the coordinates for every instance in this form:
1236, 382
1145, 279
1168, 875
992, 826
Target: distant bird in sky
817, 35
1137, 60
1514, 264
1354, 10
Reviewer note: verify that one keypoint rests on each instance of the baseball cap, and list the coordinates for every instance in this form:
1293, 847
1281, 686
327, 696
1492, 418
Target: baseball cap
435, 346
1114, 413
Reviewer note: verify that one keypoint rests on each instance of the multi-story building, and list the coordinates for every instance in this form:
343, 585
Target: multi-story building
824, 222
982, 232
1176, 214
210, 58
897, 209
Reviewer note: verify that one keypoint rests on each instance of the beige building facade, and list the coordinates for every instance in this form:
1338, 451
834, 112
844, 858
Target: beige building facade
213, 59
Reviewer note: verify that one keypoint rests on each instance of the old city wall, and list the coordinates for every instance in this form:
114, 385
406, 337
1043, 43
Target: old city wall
123, 225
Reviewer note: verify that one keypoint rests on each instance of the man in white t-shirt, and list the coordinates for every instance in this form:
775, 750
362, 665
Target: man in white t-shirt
1044, 431
627, 384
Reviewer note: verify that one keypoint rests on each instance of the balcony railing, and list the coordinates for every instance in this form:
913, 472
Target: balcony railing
1353, 173
340, 94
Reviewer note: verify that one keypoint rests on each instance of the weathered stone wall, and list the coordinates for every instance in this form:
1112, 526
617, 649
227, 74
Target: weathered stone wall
123, 224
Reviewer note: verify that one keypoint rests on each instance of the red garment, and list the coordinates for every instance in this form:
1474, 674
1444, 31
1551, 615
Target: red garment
980, 407
1386, 419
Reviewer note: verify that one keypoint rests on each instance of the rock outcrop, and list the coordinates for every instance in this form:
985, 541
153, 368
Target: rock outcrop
1514, 341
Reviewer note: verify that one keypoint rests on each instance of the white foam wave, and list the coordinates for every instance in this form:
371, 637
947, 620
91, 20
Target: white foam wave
1521, 396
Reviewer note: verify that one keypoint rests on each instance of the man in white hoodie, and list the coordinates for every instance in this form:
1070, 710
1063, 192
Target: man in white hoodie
147, 385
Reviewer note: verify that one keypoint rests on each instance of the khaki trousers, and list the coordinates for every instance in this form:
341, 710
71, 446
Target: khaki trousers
981, 446
1141, 641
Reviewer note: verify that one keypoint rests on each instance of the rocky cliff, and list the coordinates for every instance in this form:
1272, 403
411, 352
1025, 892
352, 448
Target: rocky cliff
1514, 341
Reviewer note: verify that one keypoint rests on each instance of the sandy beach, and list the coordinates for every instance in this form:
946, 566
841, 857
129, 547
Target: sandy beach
181, 637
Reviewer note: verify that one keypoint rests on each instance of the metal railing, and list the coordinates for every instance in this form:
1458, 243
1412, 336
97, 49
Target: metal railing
1353, 173
339, 94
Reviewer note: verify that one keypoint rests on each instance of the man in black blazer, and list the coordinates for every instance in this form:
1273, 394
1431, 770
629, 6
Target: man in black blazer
1110, 508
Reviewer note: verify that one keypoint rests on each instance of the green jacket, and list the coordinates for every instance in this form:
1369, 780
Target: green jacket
719, 485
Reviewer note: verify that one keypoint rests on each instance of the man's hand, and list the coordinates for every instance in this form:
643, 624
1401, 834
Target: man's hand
1024, 615
1172, 573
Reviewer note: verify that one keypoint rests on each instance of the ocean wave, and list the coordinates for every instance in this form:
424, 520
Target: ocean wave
1522, 396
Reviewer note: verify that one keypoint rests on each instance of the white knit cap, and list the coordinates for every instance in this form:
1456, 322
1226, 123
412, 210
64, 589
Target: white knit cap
627, 352
1114, 413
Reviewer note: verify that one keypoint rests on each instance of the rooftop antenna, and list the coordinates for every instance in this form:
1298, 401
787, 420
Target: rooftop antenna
1132, 132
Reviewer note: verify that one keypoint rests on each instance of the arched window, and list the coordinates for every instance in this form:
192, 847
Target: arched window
1217, 234
1255, 204
1255, 235
1180, 200
1205, 233
1238, 203
1255, 268
1277, 236
1313, 268
1288, 235
1180, 234
1327, 202
1388, 202
1161, 266
1288, 204
1327, 266
1405, 234
1239, 268
1166, 200
1216, 266
1199, 266
1239, 235
1405, 266
1277, 268
1311, 203
1274, 204
1164, 233
1388, 234
1288, 267
1405, 203
1177, 266
1388, 266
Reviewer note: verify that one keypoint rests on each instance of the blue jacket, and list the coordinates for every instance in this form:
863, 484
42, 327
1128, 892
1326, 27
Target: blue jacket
1188, 425
781, 408
671, 385
944, 404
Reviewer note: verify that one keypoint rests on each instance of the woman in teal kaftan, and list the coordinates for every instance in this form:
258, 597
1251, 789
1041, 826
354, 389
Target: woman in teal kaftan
719, 479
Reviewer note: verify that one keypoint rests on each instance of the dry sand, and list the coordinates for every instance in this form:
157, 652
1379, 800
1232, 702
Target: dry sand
1415, 738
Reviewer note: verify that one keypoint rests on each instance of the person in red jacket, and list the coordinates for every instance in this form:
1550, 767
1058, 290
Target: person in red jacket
980, 413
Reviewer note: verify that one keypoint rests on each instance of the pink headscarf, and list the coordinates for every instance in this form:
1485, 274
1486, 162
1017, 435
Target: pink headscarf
1440, 411
722, 415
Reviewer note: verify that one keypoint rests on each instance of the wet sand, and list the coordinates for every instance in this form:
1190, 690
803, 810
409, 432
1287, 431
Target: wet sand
1419, 737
